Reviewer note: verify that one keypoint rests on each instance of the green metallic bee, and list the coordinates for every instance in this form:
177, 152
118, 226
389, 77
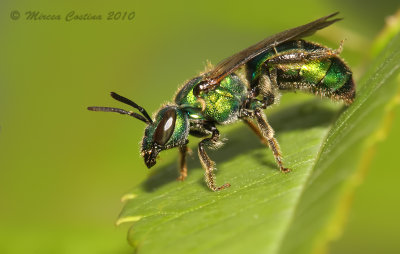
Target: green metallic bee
240, 88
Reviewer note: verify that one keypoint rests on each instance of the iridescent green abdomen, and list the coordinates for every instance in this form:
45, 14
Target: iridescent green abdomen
221, 105
297, 67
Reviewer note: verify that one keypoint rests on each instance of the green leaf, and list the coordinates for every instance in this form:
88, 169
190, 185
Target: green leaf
265, 211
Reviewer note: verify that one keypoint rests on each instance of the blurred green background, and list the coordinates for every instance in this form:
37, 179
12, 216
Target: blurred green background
63, 169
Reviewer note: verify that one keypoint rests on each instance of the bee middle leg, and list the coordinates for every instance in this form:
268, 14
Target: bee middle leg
267, 86
207, 163
256, 130
266, 134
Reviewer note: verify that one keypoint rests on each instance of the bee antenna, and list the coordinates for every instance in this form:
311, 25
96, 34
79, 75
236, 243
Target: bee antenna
121, 111
131, 103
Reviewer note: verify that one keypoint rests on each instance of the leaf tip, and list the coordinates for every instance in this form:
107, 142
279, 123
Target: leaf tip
127, 219
127, 197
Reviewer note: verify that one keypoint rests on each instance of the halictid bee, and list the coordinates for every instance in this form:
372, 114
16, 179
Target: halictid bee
240, 88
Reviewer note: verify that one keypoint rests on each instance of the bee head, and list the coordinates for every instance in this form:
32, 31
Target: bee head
170, 129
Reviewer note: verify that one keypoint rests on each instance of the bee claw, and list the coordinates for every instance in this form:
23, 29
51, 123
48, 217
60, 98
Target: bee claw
227, 185
181, 178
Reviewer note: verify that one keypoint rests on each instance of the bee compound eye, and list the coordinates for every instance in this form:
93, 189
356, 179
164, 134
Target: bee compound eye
165, 127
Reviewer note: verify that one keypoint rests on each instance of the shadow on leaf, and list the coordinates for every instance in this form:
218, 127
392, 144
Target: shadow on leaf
305, 115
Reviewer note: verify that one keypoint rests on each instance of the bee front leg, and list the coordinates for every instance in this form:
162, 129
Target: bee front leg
183, 150
268, 133
207, 163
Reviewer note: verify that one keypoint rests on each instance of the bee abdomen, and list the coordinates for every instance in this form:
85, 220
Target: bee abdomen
336, 76
329, 77
338, 81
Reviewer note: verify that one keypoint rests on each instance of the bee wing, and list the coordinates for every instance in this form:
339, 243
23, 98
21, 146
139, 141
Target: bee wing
230, 64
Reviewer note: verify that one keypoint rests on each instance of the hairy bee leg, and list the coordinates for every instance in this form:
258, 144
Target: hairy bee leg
207, 163
340, 49
268, 133
183, 150
273, 76
302, 56
268, 86
256, 130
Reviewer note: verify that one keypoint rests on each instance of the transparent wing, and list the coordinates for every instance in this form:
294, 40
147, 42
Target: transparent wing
230, 64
